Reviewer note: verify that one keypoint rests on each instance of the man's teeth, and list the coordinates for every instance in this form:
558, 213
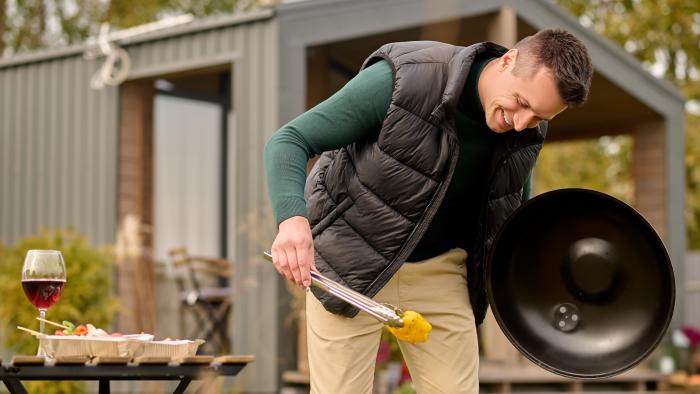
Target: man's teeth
506, 119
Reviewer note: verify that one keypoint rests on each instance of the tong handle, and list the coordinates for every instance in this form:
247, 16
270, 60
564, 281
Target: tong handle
380, 312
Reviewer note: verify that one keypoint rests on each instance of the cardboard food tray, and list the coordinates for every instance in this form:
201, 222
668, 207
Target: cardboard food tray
130, 346
171, 349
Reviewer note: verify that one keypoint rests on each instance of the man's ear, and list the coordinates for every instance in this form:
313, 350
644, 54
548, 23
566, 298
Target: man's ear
507, 60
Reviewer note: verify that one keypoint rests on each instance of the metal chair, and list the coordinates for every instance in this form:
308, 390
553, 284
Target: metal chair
204, 294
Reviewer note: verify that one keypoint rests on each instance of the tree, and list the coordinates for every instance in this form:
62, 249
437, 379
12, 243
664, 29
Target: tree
661, 34
664, 36
32, 24
609, 156
3, 24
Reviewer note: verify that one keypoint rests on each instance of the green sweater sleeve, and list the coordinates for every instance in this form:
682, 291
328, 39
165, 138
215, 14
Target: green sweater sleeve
354, 113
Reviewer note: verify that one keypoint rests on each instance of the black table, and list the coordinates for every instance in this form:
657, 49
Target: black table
104, 370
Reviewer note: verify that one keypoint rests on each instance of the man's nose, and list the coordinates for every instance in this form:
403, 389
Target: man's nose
524, 120
521, 122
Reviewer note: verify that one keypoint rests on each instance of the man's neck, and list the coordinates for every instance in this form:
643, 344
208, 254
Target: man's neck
484, 78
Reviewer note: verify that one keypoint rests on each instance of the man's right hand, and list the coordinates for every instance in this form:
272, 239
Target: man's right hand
293, 251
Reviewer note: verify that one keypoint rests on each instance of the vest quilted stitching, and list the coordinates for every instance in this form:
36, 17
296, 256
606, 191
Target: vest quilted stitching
370, 202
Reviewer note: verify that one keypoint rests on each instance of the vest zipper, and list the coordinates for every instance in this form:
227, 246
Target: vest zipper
419, 230
501, 161
479, 258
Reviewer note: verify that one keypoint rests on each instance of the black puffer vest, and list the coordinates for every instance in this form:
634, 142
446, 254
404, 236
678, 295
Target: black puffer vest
370, 202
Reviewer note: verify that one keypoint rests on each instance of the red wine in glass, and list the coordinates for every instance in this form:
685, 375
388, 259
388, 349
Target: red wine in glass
43, 292
43, 279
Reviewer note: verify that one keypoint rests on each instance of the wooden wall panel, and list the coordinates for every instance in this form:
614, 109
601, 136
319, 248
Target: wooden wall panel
648, 170
135, 207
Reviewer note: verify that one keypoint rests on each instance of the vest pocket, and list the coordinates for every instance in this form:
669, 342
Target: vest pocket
334, 214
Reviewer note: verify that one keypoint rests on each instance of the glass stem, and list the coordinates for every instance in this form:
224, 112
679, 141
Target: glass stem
42, 315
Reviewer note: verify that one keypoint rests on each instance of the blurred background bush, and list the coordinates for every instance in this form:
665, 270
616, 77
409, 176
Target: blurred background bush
87, 298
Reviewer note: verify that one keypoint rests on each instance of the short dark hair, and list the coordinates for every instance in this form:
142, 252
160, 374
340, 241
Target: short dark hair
567, 58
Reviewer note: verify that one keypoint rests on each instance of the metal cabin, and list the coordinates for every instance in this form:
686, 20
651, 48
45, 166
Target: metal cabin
74, 156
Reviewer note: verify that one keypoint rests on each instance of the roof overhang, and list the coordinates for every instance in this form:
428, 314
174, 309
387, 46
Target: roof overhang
316, 22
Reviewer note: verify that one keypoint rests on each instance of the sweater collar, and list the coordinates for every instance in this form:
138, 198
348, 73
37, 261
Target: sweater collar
469, 102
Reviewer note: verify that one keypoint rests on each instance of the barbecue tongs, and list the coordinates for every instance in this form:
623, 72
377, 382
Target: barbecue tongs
387, 314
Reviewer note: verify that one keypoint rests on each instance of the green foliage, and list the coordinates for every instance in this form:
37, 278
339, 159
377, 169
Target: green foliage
602, 164
126, 13
692, 165
653, 31
405, 388
664, 36
26, 25
87, 297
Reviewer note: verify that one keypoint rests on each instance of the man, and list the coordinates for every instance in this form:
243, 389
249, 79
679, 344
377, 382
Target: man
427, 151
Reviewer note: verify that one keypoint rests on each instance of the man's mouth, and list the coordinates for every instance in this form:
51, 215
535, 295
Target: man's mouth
505, 119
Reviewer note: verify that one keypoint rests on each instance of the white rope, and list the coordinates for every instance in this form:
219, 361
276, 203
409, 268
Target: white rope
117, 63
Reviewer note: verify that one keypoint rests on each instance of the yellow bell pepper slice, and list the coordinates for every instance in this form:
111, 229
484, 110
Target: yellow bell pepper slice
415, 328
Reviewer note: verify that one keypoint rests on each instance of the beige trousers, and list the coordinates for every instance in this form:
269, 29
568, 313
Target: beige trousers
343, 351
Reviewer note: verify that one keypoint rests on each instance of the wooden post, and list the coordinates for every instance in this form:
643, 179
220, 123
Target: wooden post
503, 30
134, 240
648, 170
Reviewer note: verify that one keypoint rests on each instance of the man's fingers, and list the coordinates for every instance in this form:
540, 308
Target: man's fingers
289, 266
282, 265
304, 266
294, 267
293, 250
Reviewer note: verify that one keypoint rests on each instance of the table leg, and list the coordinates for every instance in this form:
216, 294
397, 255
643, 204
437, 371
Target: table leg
182, 386
14, 386
104, 386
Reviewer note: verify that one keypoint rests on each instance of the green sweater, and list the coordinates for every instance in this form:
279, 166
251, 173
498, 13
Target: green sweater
355, 113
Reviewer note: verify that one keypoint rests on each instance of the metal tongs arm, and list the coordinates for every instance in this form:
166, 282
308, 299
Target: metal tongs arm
381, 312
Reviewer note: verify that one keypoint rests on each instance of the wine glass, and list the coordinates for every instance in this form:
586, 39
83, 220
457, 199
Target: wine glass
43, 279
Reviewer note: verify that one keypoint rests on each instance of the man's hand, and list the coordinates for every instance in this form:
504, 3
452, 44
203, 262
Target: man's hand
293, 250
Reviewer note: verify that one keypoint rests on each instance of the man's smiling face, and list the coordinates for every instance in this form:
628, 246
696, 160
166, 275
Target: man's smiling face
517, 100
